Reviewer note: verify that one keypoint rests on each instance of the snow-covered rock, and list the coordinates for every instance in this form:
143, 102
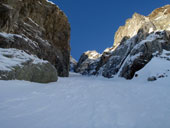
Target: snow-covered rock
157, 68
17, 64
73, 64
143, 52
134, 53
88, 62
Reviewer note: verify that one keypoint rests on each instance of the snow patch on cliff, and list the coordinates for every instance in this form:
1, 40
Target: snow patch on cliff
11, 57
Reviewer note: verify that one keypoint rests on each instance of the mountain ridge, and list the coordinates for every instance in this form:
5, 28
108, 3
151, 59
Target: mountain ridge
149, 33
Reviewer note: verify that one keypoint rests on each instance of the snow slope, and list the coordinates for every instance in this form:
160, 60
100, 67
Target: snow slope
85, 102
158, 67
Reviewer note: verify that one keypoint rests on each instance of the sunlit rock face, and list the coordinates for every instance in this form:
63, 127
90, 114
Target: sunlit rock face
159, 19
45, 27
135, 45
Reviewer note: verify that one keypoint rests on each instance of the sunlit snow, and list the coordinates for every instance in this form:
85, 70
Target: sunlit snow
85, 102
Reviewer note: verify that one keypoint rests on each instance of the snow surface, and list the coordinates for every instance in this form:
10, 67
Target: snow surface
85, 102
92, 55
11, 57
9, 36
50, 2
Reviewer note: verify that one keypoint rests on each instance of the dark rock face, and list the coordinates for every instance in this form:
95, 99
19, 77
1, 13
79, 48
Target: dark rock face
43, 28
133, 54
87, 63
135, 44
16, 64
143, 52
73, 64
117, 57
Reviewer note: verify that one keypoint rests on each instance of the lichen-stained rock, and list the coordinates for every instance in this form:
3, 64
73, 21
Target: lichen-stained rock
17, 64
43, 24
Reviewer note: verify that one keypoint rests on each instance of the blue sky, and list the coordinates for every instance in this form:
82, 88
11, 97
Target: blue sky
94, 22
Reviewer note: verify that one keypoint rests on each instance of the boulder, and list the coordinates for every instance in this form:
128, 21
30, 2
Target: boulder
153, 78
18, 65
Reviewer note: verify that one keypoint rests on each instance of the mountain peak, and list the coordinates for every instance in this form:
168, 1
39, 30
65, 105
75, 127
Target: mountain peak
159, 19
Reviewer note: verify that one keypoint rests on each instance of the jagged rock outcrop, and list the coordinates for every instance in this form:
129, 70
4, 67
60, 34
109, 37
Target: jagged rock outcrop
142, 52
135, 44
41, 29
73, 64
88, 62
17, 64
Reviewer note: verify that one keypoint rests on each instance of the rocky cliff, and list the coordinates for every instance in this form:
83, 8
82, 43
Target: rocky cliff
136, 43
40, 28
